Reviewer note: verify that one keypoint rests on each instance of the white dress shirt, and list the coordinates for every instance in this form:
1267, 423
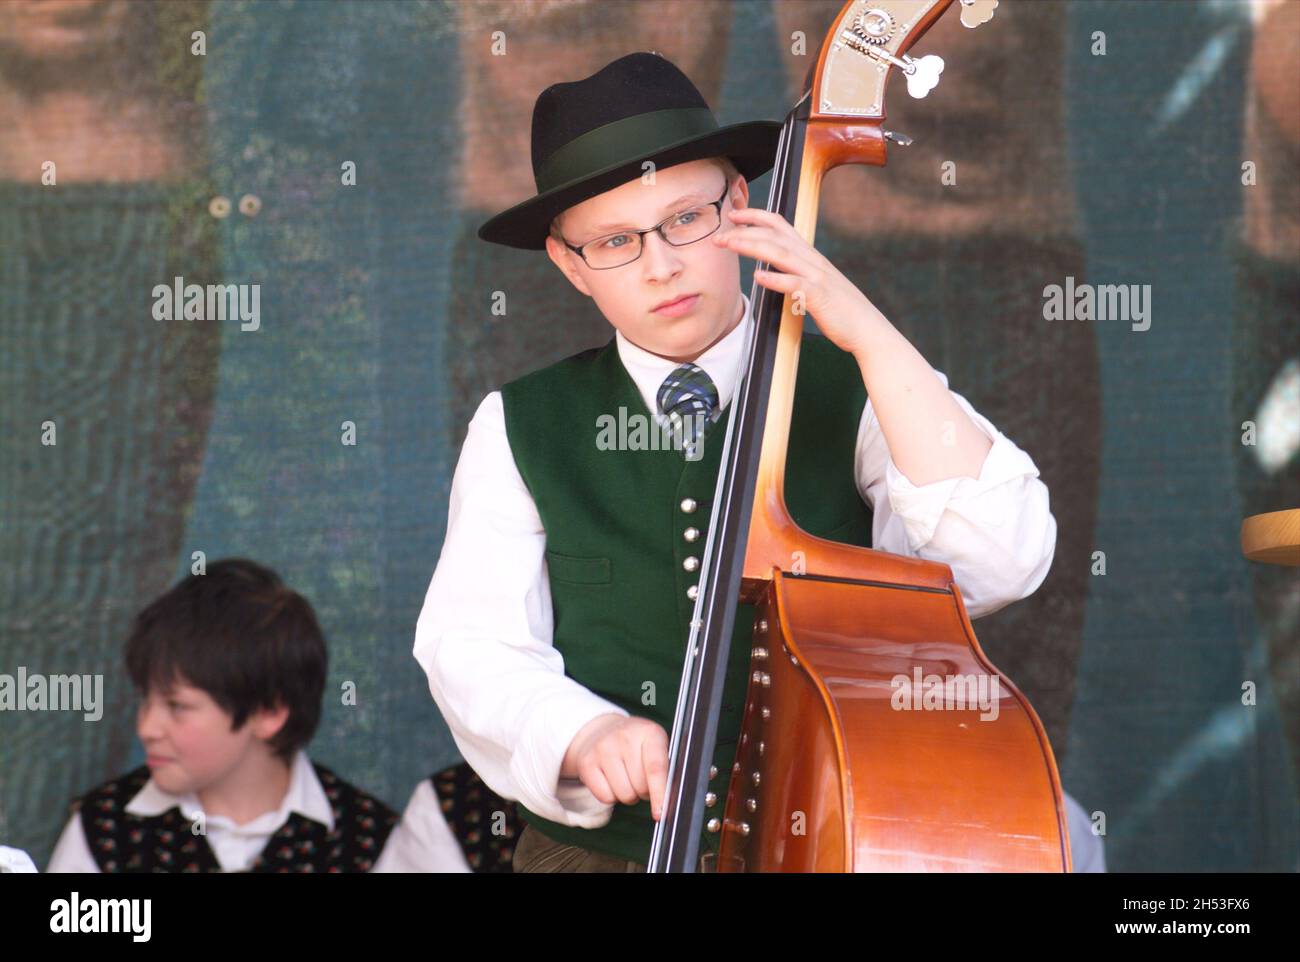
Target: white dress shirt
15, 861
422, 841
484, 636
416, 844
1087, 851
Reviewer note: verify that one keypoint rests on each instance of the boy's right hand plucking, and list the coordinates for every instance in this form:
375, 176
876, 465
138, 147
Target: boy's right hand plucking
622, 759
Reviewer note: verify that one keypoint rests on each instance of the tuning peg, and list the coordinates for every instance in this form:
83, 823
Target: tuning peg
922, 75
975, 12
898, 137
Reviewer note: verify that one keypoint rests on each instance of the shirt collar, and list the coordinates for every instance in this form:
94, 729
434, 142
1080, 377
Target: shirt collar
305, 796
721, 362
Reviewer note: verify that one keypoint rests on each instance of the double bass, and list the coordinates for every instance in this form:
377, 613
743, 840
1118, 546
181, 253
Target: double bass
829, 774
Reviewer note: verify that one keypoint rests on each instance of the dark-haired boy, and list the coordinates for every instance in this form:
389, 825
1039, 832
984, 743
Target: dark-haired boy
230, 666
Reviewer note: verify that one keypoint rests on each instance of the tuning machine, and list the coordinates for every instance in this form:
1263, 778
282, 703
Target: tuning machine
922, 75
975, 12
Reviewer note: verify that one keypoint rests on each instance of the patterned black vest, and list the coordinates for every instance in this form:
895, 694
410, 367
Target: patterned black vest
485, 824
122, 842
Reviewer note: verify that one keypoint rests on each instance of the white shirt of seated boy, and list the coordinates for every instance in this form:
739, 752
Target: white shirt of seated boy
417, 844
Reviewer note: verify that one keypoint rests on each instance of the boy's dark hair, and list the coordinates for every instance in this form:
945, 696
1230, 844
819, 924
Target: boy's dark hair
244, 637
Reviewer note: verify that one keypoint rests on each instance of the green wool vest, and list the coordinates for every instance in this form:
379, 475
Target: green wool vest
625, 533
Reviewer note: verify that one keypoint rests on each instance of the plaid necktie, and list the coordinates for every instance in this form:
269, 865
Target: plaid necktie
689, 399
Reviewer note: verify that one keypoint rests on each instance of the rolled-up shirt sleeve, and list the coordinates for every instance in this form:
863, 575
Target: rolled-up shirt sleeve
995, 531
484, 637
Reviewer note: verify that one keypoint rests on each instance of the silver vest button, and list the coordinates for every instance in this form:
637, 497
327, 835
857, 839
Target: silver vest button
693, 592
689, 505
691, 534
691, 563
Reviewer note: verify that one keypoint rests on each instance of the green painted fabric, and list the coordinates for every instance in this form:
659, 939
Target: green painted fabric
94, 522
617, 552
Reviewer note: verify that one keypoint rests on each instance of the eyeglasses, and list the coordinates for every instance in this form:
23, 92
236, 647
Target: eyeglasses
686, 227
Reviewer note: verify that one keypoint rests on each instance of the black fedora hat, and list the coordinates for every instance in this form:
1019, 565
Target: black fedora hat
593, 135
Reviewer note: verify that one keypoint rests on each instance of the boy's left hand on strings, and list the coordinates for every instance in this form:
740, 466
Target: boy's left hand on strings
842, 312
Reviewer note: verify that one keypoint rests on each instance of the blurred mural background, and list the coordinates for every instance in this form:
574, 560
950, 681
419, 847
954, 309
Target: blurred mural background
1171, 159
